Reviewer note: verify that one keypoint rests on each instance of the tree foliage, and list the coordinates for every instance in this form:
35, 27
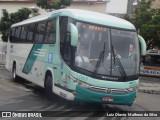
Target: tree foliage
53, 4
147, 22
8, 19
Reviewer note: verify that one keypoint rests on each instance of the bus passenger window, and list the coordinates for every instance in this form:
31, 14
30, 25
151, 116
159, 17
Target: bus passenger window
23, 33
17, 34
50, 36
30, 33
12, 32
40, 32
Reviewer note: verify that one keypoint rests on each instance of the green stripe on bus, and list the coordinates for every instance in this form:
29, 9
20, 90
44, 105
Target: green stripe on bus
31, 58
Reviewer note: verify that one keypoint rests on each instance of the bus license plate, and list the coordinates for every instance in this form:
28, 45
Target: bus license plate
107, 99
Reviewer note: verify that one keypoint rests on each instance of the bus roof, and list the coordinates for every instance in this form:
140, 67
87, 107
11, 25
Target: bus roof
82, 15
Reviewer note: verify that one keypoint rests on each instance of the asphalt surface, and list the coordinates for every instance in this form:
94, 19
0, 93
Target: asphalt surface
24, 96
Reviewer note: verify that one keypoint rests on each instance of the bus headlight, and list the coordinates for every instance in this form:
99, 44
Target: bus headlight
81, 83
131, 89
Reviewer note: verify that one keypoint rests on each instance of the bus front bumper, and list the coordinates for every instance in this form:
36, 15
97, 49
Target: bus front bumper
86, 95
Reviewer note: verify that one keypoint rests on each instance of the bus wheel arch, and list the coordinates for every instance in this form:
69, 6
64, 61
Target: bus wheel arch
48, 84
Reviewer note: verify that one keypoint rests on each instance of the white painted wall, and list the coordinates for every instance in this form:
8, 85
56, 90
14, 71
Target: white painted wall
117, 6
96, 7
14, 6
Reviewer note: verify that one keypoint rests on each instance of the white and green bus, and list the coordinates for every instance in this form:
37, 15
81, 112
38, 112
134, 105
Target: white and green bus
78, 55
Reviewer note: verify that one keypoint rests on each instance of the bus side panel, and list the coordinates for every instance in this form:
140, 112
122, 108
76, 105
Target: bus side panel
37, 70
52, 61
19, 54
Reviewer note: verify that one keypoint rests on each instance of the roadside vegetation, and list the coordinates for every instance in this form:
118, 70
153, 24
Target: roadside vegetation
49, 5
10, 18
147, 21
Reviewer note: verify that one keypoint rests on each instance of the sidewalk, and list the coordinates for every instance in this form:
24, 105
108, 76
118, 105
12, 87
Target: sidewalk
149, 85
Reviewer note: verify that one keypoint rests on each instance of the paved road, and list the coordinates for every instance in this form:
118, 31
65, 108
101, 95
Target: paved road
22, 96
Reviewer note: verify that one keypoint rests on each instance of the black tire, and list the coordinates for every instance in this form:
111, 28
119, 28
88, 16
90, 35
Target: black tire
48, 87
14, 75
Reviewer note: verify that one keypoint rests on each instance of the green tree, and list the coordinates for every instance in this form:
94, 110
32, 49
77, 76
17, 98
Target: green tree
53, 4
147, 22
8, 19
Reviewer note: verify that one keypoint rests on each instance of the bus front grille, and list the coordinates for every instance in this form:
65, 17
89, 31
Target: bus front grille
108, 90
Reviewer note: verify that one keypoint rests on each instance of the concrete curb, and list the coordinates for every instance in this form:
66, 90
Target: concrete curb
149, 78
151, 88
149, 91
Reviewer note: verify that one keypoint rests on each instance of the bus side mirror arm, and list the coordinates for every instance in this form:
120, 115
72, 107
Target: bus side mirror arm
74, 34
143, 45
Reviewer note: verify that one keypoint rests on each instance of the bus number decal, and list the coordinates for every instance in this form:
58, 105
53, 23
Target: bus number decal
82, 77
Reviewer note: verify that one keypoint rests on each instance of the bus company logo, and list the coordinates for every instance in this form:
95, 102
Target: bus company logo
21, 114
108, 91
6, 114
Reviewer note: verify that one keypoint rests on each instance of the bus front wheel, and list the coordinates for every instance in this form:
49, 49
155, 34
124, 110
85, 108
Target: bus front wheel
48, 87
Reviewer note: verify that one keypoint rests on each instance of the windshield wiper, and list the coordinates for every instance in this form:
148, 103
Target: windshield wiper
118, 63
100, 58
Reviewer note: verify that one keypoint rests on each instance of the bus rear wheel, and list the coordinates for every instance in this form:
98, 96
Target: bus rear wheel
48, 87
17, 78
14, 75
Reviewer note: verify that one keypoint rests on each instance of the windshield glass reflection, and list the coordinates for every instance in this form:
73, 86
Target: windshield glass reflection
106, 51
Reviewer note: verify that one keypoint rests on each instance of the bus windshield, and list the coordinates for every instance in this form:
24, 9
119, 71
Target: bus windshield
106, 51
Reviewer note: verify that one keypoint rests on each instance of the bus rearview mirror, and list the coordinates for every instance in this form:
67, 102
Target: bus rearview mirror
143, 45
74, 34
